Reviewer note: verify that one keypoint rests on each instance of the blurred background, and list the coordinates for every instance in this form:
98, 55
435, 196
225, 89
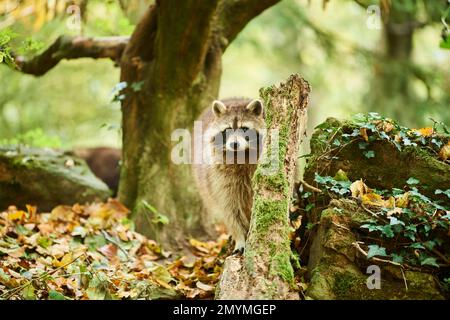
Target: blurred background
353, 64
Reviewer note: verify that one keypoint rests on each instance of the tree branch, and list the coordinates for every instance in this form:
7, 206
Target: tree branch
66, 47
235, 14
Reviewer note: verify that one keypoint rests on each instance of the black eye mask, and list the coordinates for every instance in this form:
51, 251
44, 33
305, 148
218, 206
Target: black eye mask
252, 136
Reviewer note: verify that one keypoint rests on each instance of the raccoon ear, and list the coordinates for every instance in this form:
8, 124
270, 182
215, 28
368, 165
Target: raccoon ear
255, 107
218, 108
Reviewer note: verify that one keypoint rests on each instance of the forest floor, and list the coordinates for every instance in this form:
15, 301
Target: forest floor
92, 252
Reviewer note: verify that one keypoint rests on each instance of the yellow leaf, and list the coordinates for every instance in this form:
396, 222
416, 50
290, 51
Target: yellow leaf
65, 260
62, 213
16, 215
373, 199
402, 200
426, 132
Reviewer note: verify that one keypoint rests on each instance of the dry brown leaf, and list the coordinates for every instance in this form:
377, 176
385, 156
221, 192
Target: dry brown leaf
108, 250
358, 189
363, 133
444, 153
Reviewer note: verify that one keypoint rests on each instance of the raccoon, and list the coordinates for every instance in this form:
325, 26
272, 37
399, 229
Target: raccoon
232, 140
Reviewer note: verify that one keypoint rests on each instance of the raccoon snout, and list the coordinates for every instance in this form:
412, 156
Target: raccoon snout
236, 144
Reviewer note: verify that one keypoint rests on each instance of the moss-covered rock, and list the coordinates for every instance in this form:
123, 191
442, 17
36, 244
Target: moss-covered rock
46, 178
388, 167
338, 271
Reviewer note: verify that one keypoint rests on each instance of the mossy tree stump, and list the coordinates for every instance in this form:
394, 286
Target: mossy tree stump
265, 271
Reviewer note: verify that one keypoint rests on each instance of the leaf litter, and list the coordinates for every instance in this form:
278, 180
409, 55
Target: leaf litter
92, 251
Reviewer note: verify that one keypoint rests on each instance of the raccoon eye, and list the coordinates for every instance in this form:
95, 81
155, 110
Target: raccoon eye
245, 129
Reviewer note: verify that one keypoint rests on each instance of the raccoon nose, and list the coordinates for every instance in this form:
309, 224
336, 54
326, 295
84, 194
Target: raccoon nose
234, 145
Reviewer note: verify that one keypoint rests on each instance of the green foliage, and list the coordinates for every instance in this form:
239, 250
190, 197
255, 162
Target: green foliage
6, 36
339, 188
158, 218
375, 250
414, 233
34, 138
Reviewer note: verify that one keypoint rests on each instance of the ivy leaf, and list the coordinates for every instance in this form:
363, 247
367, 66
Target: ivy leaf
429, 261
429, 244
387, 231
394, 221
446, 192
371, 227
397, 258
362, 145
412, 181
375, 250
369, 154
416, 245
336, 143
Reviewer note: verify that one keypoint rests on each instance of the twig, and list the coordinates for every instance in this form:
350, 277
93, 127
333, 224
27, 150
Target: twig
373, 213
361, 250
404, 279
340, 226
310, 187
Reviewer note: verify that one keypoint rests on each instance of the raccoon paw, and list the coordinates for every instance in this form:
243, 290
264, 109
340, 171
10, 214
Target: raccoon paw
239, 247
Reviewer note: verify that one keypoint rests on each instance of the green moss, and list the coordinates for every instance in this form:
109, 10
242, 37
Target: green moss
276, 182
281, 264
344, 283
267, 212
327, 213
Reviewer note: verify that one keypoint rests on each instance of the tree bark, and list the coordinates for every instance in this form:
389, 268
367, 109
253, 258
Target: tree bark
176, 54
265, 271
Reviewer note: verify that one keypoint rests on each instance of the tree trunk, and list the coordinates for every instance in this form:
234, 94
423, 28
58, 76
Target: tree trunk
265, 270
172, 65
391, 88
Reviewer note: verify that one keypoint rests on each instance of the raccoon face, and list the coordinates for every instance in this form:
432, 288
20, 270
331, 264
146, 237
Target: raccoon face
237, 127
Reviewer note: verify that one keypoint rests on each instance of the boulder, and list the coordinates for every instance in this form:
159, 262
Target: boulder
46, 178
337, 270
388, 168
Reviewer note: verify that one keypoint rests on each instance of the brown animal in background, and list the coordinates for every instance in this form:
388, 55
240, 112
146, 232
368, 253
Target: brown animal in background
104, 162
232, 142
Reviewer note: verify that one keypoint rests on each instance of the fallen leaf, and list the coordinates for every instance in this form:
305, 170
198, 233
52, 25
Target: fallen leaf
358, 189
16, 215
109, 250
402, 201
204, 286
373, 199
444, 153
363, 133
425, 132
